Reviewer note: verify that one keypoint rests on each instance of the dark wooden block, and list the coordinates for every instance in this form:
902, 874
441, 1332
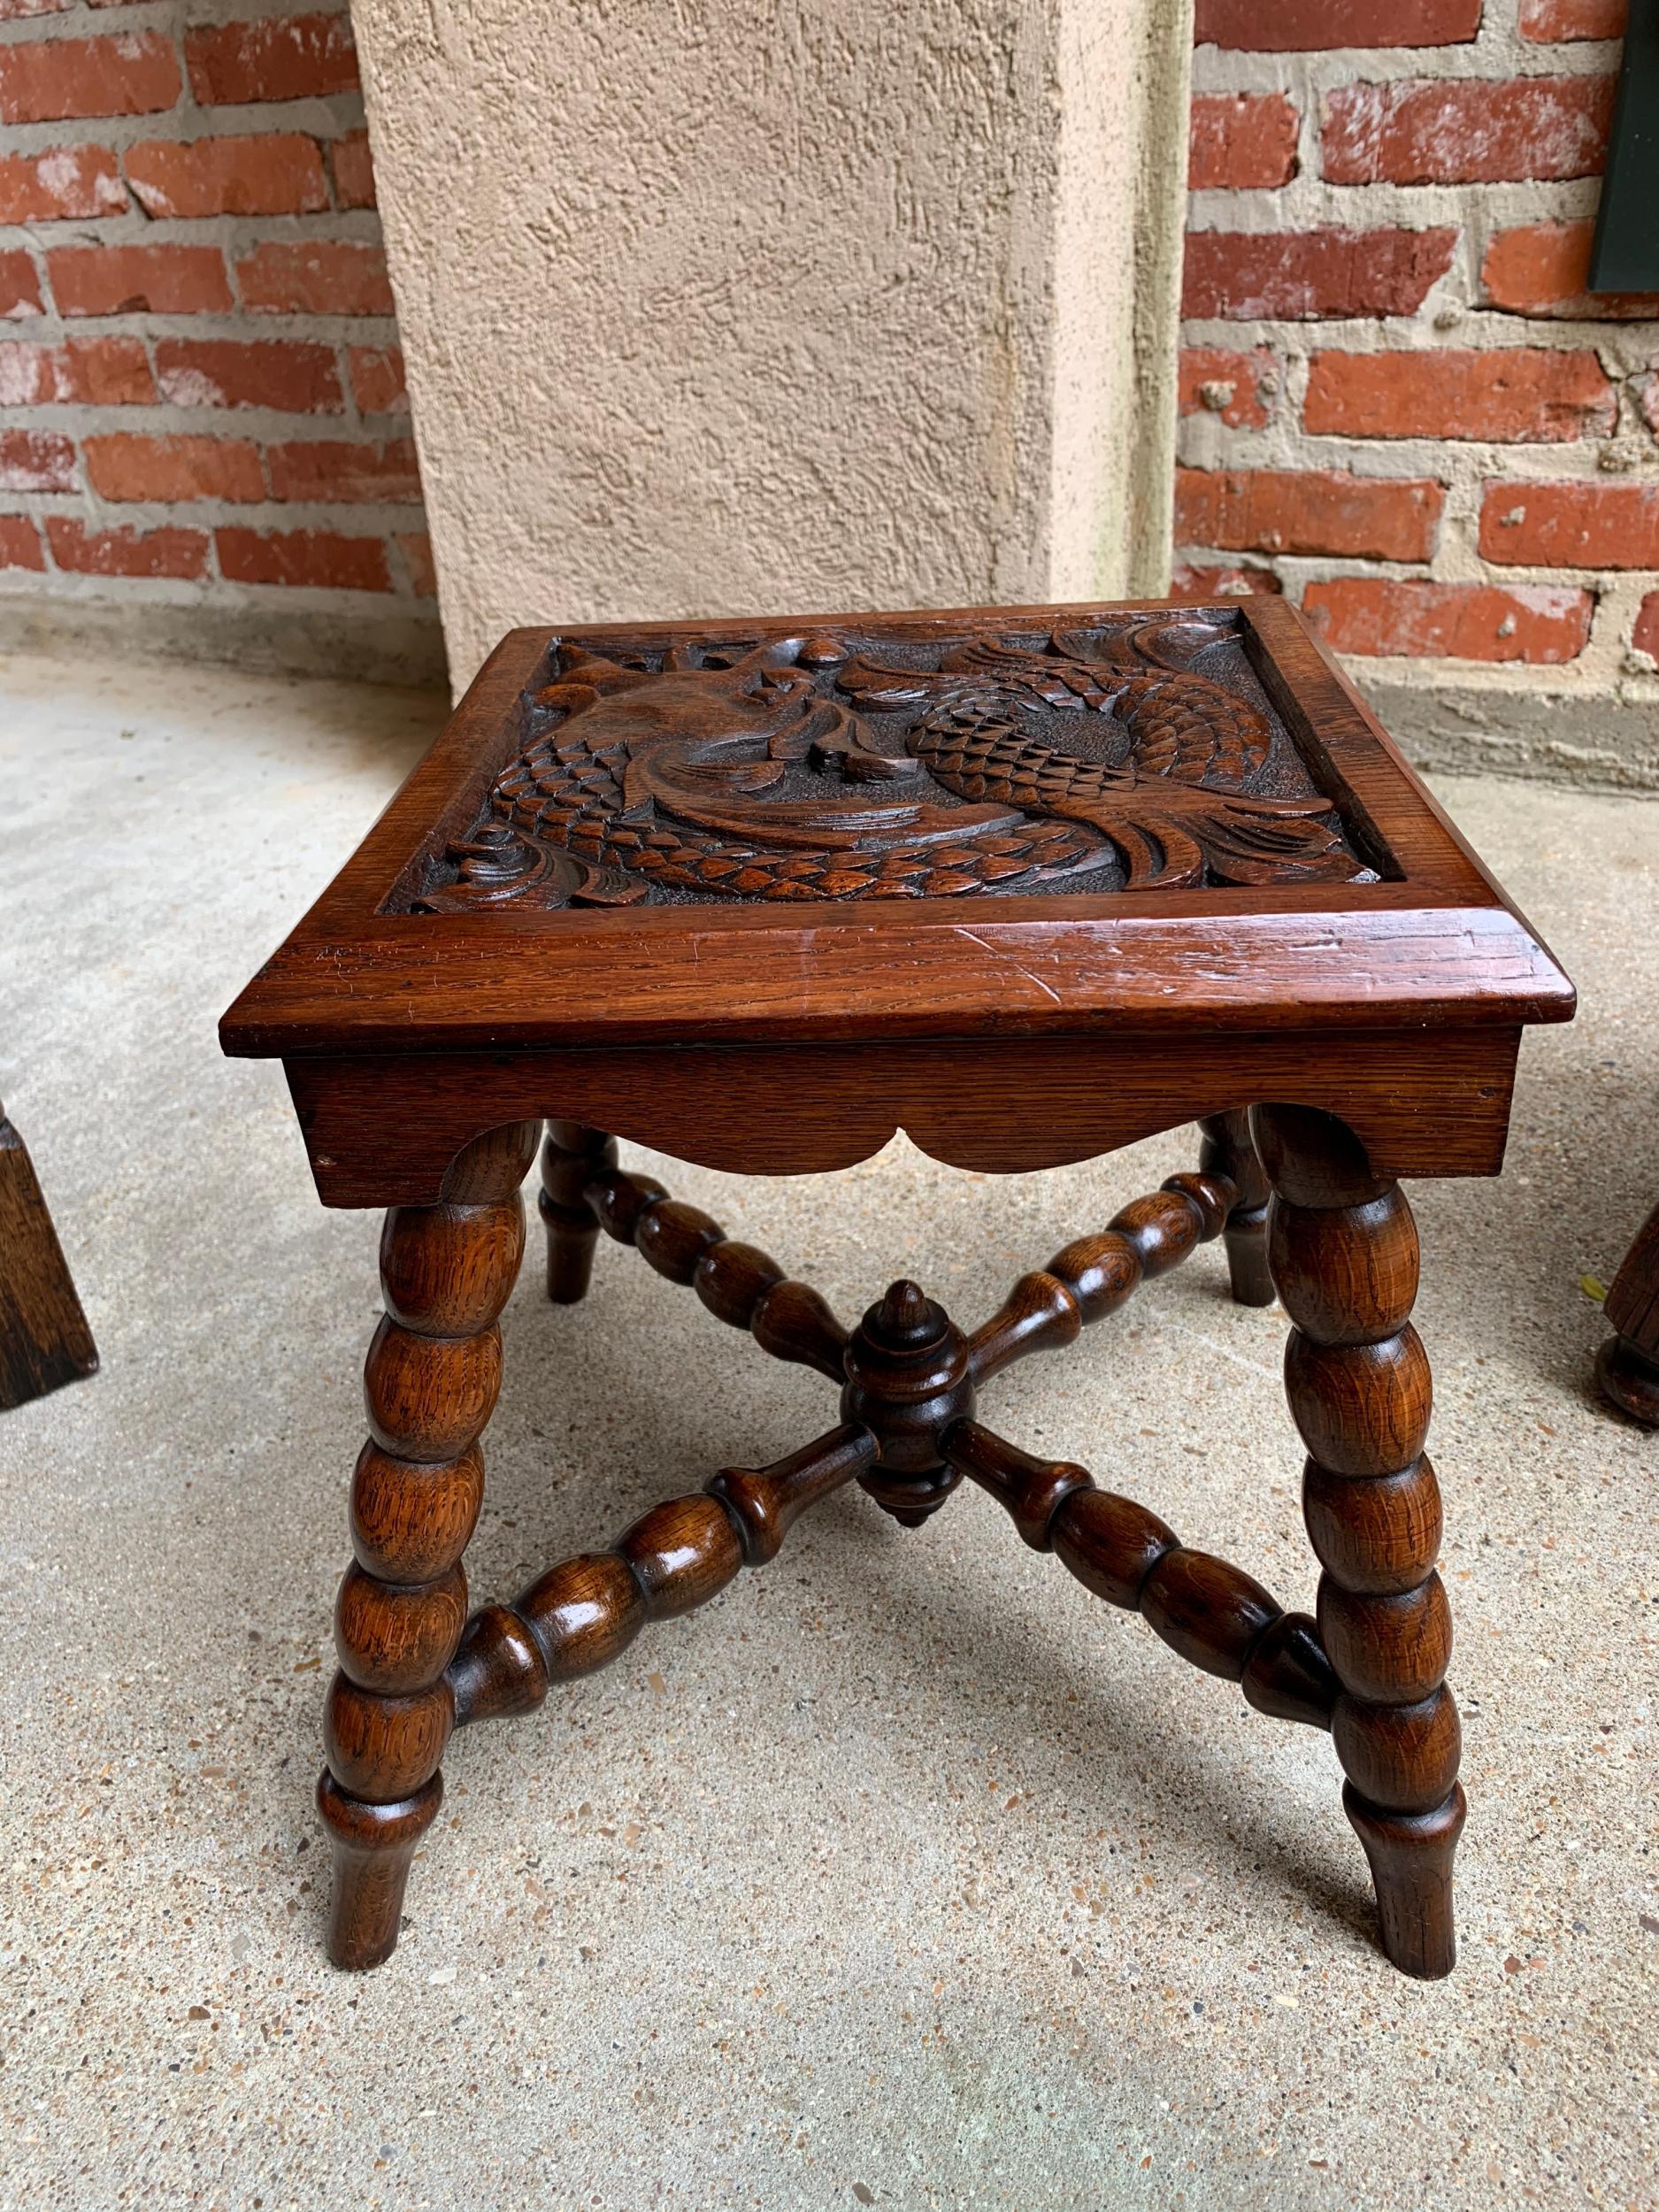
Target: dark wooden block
44, 1339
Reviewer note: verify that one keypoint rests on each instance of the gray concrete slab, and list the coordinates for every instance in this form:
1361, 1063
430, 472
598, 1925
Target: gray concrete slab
905, 1874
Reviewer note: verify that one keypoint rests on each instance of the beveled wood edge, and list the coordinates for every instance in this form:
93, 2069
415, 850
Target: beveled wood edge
1269, 615
882, 974
382, 1129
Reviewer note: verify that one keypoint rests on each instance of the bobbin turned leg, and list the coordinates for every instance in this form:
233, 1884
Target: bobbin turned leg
1228, 1149
431, 1380
1343, 1247
570, 1157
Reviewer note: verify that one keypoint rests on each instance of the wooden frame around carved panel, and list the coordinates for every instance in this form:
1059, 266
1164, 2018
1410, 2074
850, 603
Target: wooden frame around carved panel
1026, 883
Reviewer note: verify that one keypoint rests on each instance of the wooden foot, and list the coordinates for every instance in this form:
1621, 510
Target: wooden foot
1228, 1151
44, 1339
1630, 1380
1627, 1366
1343, 1247
374, 1845
570, 1157
1410, 1856
433, 1373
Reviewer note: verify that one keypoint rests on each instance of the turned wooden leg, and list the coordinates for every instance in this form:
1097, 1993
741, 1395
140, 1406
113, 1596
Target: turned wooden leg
1343, 1249
1627, 1365
1228, 1149
431, 1380
570, 1157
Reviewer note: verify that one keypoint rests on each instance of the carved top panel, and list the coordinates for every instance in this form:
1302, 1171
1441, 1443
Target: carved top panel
1139, 752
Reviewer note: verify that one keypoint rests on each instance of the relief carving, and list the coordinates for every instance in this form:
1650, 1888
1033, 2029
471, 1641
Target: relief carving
820, 767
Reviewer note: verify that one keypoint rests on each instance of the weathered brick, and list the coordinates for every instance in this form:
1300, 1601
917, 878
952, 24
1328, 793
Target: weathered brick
1239, 581
1646, 391
1557, 20
1291, 27
64, 184
292, 376
126, 551
80, 373
133, 73
1301, 276
20, 543
1543, 624
130, 279
36, 461
1466, 131
11, 11
1240, 388
1645, 636
1241, 139
319, 558
280, 57
1516, 394
1570, 526
315, 277
377, 379
353, 170
271, 173
334, 469
126, 465
1543, 268
1294, 511
20, 285
416, 548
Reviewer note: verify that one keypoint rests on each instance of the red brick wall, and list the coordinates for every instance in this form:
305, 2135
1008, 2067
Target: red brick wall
1399, 406
200, 393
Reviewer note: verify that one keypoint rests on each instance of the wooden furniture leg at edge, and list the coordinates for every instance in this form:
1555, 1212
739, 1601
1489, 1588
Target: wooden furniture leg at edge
572, 1155
1627, 1365
1344, 1249
44, 1339
431, 1380
1229, 1149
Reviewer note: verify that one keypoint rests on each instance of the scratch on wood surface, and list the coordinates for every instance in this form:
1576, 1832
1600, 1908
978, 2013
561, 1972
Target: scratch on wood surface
997, 953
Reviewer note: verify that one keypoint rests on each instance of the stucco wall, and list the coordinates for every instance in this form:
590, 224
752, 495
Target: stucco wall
743, 304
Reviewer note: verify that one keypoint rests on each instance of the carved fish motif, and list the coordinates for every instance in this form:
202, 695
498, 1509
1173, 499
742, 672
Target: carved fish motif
690, 778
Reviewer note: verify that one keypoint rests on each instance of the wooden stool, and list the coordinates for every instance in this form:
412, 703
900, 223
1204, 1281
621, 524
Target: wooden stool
1029, 883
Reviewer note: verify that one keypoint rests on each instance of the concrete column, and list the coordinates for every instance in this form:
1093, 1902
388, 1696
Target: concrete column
712, 305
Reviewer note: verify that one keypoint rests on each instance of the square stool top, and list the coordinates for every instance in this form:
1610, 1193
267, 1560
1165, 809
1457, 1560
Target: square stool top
1142, 817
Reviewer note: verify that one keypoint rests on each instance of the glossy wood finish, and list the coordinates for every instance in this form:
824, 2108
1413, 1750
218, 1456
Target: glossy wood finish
583, 1613
1227, 1150
736, 1282
1028, 884
430, 1384
44, 1339
1343, 1249
1095, 1275
1627, 1365
1211, 1613
1431, 944
382, 1128
572, 1155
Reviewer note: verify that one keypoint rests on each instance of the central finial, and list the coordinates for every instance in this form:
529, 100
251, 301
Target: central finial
907, 1381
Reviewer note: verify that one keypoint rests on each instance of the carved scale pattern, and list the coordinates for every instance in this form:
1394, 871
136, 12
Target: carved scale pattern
810, 769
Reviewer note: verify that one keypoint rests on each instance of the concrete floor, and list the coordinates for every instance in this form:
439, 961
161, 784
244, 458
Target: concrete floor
905, 1874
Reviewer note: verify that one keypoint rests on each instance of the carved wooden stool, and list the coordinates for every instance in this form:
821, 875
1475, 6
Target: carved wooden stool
1028, 883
